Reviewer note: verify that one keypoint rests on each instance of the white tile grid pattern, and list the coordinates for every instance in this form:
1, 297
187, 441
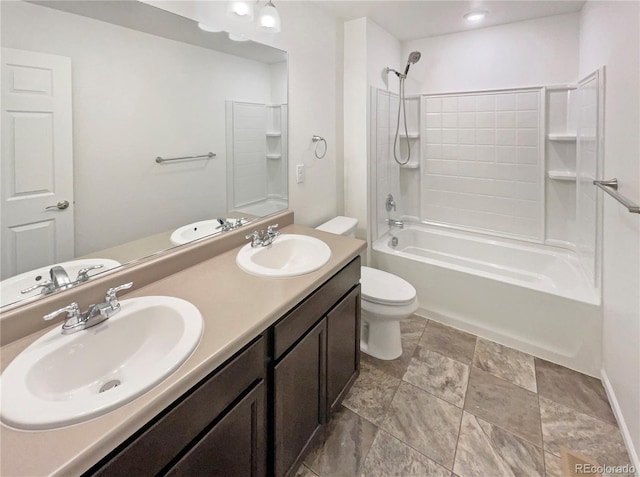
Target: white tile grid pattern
249, 148
481, 162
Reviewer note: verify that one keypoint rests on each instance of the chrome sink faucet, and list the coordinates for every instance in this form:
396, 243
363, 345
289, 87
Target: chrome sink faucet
77, 320
262, 239
226, 225
59, 279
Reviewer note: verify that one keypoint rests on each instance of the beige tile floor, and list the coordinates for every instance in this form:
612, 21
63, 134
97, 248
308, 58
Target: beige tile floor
456, 405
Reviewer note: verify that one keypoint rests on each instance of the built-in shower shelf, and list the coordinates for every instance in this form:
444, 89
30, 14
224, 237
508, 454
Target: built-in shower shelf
562, 175
562, 137
274, 156
274, 134
411, 165
411, 135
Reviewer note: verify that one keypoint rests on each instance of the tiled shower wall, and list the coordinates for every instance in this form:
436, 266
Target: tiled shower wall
482, 162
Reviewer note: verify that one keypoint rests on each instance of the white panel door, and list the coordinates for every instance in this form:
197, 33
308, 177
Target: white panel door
37, 161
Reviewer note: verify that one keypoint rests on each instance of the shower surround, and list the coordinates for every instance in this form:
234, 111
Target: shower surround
477, 243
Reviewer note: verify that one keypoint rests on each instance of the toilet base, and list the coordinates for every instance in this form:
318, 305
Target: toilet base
381, 339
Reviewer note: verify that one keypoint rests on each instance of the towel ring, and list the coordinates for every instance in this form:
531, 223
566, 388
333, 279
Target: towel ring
318, 140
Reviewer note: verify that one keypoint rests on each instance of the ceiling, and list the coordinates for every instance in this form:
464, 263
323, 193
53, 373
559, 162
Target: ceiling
409, 20
147, 18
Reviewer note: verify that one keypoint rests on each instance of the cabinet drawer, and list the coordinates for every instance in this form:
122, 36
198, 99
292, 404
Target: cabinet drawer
295, 324
162, 439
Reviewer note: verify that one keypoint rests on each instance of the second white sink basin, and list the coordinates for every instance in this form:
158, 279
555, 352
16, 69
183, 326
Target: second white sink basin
289, 255
65, 379
197, 230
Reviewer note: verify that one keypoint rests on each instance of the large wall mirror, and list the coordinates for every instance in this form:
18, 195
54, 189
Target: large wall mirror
126, 130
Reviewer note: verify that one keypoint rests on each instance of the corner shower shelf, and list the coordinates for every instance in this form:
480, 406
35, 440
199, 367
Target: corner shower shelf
273, 134
562, 137
411, 165
411, 135
274, 156
562, 175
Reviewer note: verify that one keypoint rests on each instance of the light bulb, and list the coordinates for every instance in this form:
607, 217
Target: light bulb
240, 11
269, 19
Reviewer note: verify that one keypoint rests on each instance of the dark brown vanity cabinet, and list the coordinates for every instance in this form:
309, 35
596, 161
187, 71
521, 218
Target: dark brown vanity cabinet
260, 412
218, 428
317, 358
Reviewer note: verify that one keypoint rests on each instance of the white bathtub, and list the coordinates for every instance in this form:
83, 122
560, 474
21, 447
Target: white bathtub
528, 296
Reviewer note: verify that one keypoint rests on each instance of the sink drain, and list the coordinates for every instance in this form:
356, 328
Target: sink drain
109, 385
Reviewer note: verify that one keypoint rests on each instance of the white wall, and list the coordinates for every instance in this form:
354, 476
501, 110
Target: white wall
368, 51
529, 53
609, 36
355, 122
278, 73
137, 96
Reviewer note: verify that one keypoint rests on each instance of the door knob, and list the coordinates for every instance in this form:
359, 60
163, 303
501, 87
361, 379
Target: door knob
60, 205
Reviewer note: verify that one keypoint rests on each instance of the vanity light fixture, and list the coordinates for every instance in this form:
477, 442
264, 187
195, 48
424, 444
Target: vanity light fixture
269, 18
240, 11
475, 16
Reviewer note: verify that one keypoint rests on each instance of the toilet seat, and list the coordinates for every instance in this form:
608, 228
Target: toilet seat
385, 289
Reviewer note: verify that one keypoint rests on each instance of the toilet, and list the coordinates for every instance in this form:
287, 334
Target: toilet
386, 300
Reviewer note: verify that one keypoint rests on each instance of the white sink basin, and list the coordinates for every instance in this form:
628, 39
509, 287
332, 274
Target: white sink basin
10, 288
289, 255
65, 379
195, 231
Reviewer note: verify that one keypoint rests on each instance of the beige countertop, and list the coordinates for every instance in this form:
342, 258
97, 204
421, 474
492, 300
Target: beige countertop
235, 306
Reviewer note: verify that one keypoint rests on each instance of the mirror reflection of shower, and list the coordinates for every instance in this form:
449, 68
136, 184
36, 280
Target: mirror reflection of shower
414, 56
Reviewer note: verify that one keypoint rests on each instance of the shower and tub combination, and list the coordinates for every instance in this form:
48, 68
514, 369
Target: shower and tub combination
497, 239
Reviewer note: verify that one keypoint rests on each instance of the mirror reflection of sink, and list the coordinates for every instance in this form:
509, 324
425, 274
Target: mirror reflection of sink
289, 255
197, 230
66, 379
11, 287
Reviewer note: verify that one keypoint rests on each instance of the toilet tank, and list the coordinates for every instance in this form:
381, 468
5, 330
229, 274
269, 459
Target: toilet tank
340, 226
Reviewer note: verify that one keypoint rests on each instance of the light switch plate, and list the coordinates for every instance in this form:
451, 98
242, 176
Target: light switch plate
299, 173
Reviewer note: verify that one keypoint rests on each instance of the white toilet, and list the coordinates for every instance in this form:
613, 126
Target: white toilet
386, 300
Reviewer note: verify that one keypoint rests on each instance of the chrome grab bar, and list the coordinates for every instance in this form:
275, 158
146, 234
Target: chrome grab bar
160, 160
610, 187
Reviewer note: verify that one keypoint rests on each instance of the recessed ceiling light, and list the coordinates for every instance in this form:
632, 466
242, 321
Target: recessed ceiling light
475, 17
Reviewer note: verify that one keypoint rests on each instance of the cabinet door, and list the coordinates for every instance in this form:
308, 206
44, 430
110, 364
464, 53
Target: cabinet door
343, 347
235, 446
299, 398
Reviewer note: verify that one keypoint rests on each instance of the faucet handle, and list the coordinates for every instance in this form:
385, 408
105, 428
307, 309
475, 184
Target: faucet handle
271, 227
111, 297
46, 286
83, 273
72, 311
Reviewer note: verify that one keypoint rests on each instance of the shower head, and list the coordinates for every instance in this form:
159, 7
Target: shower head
414, 56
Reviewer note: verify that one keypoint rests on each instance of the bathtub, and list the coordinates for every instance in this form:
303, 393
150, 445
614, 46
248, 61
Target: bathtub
530, 297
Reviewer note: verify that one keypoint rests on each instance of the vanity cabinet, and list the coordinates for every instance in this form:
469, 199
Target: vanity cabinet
316, 360
217, 428
262, 411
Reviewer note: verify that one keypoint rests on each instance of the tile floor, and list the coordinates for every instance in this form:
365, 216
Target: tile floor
456, 405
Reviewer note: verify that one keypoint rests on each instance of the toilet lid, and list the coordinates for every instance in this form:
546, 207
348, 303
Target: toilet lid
385, 288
